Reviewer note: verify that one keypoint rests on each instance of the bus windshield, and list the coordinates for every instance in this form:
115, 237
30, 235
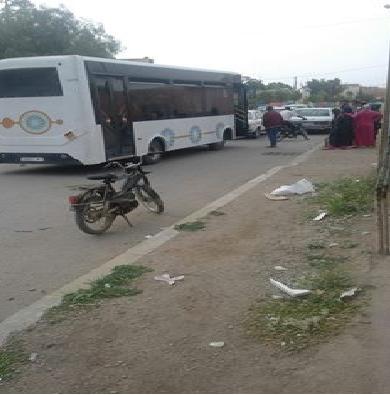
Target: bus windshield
30, 82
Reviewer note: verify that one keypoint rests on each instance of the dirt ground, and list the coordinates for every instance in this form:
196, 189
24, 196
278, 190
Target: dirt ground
158, 341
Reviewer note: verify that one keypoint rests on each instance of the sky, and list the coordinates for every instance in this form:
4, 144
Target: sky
272, 40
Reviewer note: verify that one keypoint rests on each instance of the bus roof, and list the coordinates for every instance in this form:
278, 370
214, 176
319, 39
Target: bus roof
113, 66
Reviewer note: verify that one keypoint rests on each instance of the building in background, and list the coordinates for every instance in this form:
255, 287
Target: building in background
350, 91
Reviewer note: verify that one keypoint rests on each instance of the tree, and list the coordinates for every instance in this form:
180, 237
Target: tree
259, 93
27, 30
324, 90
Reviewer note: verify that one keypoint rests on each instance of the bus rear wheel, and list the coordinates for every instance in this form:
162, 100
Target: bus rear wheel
154, 153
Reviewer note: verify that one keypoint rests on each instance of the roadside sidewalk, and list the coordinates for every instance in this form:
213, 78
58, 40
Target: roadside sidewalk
158, 341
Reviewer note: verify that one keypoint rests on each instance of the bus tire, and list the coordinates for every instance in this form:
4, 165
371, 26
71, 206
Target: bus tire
217, 146
227, 135
155, 146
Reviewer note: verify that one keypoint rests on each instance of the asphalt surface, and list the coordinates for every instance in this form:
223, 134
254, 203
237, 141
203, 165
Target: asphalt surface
41, 248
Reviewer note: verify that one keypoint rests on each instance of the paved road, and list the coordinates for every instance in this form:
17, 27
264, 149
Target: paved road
40, 247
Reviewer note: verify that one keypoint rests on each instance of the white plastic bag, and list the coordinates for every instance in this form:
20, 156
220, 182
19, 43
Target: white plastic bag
299, 188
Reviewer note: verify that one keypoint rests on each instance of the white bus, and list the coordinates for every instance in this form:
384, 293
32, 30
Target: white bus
73, 109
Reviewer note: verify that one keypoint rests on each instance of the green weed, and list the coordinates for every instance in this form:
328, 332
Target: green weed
190, 226
114, 285
11, 356
347, 196
296, 323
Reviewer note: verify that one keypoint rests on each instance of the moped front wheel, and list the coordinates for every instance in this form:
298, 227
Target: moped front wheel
149, 198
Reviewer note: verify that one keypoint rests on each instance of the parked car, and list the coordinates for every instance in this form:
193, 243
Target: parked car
314, 119
255, 120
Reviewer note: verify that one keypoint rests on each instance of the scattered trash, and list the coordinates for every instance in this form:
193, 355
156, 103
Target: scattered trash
107, 285
33, 357
333, 244
299, 188
280, 268
289, 291
366, 215
350, 293
271, 197
365, 233
168, 279
277, 297
148, 236
320, 216
217, 344
283, 344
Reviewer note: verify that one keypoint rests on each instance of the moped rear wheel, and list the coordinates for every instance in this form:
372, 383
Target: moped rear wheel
91, 215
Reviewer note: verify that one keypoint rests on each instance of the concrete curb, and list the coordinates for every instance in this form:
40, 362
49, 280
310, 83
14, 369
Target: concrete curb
31, 314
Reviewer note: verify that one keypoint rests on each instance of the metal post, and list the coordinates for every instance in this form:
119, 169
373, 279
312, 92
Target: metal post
379, 212
384, 140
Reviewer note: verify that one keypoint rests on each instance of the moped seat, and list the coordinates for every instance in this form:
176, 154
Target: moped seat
109, 177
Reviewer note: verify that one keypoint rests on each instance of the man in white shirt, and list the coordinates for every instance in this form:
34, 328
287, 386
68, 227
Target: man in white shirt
287, 113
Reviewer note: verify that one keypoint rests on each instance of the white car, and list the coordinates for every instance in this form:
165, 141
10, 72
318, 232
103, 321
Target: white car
314, 119
255, 121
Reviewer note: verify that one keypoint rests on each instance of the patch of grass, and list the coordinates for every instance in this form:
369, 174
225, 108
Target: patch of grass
190, 226
114, 285
347, 196
11, 356
296, 323
324, 261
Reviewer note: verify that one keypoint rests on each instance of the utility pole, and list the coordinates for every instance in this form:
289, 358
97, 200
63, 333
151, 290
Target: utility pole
295, 83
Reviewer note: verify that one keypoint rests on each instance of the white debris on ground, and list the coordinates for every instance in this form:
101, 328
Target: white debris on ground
299, 188
217, 344
350, 293
168, 279
280, 268
320, 216
290, 291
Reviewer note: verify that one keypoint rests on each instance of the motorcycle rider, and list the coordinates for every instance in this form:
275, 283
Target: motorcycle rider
287, 114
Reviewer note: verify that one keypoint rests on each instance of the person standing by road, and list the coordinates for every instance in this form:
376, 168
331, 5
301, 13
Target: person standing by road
272, 121
364, 126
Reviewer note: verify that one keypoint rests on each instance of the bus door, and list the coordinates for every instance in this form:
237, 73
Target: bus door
112, 110
240, 110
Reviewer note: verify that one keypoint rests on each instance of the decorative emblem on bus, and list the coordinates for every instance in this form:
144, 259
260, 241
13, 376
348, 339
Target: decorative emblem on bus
33, 122
169, 135
195, 134
219, 130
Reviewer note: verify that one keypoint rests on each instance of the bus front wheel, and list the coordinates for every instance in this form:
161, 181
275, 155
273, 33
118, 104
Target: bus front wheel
154, 154
217, 146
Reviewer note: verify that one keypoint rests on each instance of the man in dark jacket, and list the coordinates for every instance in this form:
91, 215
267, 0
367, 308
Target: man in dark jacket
272, 121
